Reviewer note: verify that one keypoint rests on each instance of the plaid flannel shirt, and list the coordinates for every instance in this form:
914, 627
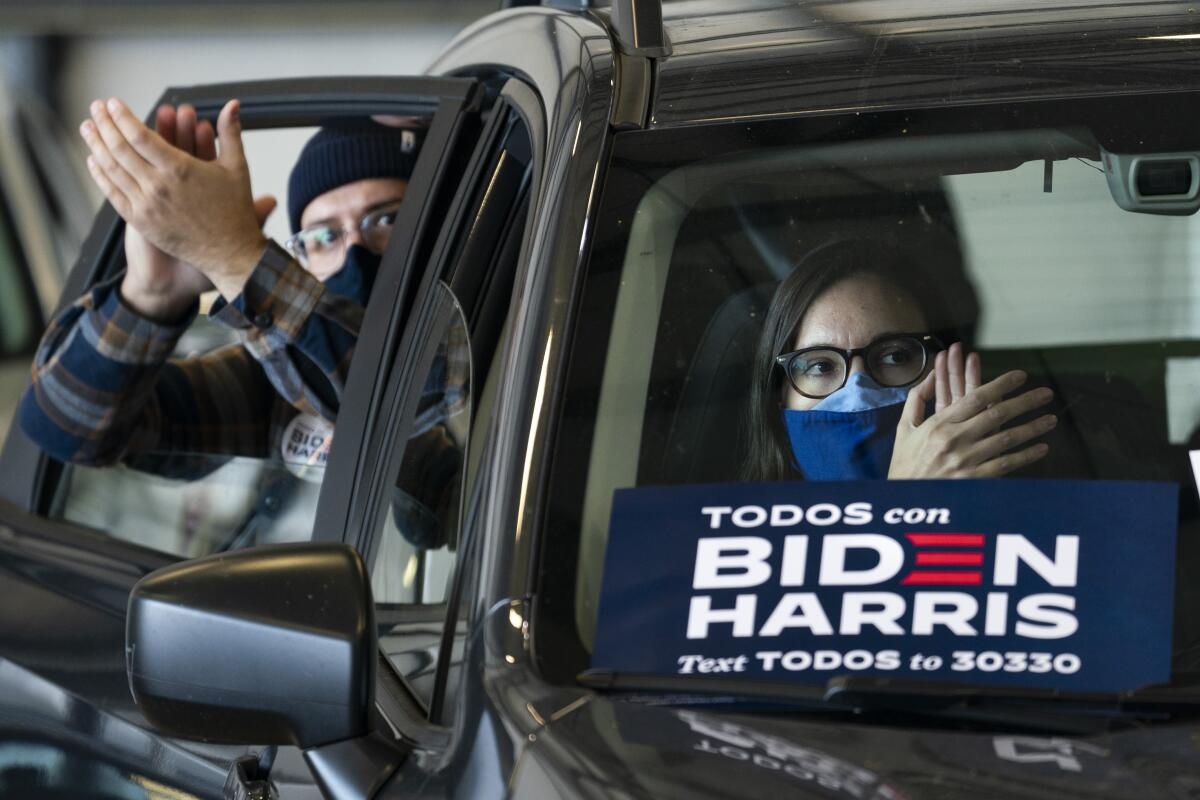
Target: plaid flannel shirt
105, 389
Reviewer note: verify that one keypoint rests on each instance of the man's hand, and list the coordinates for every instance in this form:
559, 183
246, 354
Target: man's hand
965, 437
157, 285
197, 211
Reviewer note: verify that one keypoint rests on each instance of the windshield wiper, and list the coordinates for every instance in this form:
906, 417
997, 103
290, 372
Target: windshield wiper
608, 680
810, 699
863, 693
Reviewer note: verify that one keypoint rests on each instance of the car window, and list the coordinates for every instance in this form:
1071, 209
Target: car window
1013, 231
253, 478
418, 521
234, 490
425, 116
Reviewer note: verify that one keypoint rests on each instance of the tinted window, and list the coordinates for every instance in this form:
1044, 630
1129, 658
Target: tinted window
418, 524
1007, 220
211, 488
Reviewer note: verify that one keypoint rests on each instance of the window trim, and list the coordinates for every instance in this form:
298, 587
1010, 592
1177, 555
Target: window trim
438, 311
401, 389
451, 252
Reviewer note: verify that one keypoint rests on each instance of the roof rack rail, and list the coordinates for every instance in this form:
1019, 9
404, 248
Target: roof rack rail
637, 24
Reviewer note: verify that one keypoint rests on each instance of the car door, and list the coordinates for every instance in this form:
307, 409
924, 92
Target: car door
37, 491
452, 106
414, 517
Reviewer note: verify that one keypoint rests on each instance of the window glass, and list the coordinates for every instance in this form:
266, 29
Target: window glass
1114, 276
418, 522
191, 503
420, 582
493, 327
1004, 220
238, 502
254, 476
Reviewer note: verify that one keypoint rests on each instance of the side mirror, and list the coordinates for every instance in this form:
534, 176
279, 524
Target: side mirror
265, 646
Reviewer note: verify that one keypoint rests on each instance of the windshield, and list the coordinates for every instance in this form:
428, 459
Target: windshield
1016, 246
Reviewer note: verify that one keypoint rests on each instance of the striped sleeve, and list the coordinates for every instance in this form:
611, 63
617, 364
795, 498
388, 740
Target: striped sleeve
301, 334
104, 389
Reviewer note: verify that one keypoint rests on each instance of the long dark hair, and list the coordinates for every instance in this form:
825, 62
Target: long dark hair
769, 453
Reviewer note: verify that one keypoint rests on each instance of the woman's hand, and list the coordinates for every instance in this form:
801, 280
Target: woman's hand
963, 438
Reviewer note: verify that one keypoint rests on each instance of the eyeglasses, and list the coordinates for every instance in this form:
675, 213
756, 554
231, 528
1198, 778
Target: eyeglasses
323, 241
892, 360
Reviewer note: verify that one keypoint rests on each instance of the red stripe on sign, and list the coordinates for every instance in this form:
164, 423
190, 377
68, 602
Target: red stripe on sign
956, 578
946, 539
950, 559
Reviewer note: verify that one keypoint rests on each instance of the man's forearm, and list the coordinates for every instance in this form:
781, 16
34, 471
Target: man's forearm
93, 376
302, 334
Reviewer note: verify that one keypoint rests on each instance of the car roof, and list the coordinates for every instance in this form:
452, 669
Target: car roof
737, 59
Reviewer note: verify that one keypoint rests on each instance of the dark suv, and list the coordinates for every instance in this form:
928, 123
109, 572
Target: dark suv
604, 203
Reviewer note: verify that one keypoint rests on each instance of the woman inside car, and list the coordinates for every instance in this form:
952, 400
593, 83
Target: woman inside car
851, 361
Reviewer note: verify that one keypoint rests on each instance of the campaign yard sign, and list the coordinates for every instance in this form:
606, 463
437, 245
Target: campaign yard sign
1054, 584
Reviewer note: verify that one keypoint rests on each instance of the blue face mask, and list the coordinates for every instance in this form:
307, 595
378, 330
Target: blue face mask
848, 435
357, 275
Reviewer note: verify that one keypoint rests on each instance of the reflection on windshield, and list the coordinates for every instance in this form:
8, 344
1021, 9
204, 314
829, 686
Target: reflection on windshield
241, 502
950, 305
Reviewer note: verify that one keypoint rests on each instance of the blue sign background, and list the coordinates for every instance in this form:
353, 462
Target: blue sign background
1124, 594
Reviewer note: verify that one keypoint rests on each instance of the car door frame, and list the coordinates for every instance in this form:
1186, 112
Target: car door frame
405, 716
354, 471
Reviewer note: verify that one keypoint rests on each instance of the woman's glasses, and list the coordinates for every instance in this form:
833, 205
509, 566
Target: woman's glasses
325, 241
892, 360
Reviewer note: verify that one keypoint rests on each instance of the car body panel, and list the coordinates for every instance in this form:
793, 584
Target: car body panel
611, 747
576, 90
770, 59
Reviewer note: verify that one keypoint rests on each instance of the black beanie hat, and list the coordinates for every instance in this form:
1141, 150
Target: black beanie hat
348, 150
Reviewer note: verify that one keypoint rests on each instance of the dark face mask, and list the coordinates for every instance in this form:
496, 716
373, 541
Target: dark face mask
356, 276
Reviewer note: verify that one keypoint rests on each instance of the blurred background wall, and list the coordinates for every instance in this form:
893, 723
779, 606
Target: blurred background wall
65, 53
57, 55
